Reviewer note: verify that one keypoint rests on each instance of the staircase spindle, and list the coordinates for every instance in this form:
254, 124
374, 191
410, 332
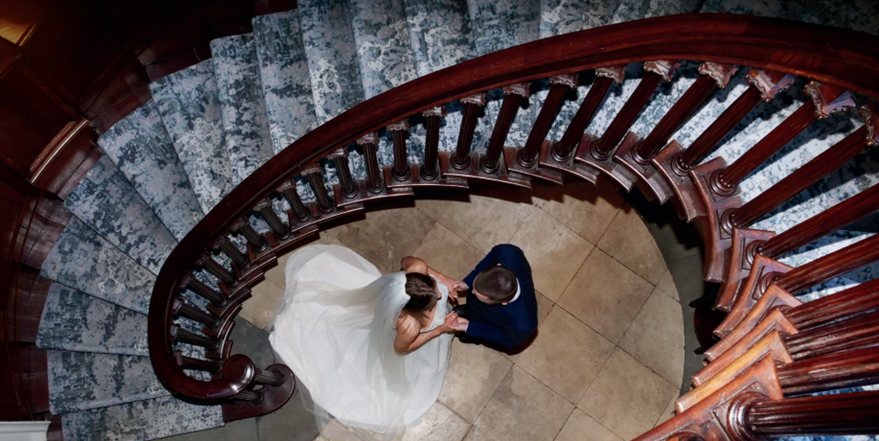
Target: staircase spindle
197, 364
193, 313
832, 265
400, 171
527, 156
604, 77
851, 333
300, 212
859, 299
830, 371
212, 266
267, 211
183, 336
269, 377
713, 76
252, 396
825, 99
256, 241
429, 170
200, 288
349, 187
224, 245
315, 180
854, 413
765, 85
794, 183
375, 182
513, 95
469, 120
657, 72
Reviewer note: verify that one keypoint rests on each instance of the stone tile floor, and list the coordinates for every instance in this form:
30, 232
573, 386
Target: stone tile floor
608, 361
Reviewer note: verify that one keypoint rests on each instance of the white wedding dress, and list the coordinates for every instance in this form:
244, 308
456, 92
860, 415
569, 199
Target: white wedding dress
334, 328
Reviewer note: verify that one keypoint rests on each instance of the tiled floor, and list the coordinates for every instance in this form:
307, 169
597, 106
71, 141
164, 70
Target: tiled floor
609, 357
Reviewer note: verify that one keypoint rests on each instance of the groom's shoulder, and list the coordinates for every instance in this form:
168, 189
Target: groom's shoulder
509, 251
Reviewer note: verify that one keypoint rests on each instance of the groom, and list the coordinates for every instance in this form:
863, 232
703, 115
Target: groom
501, 308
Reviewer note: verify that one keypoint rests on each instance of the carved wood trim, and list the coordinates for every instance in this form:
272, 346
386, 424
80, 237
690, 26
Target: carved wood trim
764, 271
744, 244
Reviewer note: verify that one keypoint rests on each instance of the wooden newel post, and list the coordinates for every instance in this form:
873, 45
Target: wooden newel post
563, 151
375, 182
315, 179
841, 414
429, 170
513, 95
472, 104
825, 99
657, 72
527, 156
400, 171
349, 187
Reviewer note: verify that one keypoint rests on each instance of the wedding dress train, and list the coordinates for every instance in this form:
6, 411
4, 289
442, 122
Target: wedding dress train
334, 328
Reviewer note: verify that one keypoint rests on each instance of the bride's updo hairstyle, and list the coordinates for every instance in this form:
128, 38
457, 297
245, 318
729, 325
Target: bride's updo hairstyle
497, 283
422, 292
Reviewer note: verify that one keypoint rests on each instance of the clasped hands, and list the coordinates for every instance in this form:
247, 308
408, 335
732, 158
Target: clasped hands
454, 323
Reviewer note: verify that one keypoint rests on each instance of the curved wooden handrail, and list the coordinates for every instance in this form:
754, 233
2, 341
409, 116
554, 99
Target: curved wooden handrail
833, 56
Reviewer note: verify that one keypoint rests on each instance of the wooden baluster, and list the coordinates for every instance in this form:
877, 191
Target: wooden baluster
300, 213
193, 313
197, 364
315, 179
256, 241
636, 156
429, 170
347, 185
267, 211
675, 163
825, 99
251, 396
200, 288
830, 371
183, 336
375, 182
560, 85
563, 151
400, 172
513, 95
472, 104
224, 245
270, 378
854, 413
834, 264
212, 266
859, 299
599, 153
852, 333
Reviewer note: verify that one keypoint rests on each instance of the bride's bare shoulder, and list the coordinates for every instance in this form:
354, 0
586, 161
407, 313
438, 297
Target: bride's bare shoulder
406, 324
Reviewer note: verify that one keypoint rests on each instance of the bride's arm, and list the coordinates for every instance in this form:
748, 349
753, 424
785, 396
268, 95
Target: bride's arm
409, 337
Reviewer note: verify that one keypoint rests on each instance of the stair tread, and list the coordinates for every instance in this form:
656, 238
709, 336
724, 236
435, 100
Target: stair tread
284, 77
383, 45
332, 57
140, 147
84, 380
558, 17
242, 104
108, 203
501, 24
75, 321
855, 15
439, 33
83, 260
141, 420
189, 103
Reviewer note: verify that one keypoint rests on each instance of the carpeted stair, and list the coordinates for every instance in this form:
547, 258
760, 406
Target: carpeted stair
211, 125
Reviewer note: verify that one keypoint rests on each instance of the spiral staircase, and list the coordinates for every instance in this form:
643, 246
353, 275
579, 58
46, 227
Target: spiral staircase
763, 145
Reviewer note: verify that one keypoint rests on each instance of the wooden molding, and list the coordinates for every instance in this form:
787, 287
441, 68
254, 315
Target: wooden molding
763, 273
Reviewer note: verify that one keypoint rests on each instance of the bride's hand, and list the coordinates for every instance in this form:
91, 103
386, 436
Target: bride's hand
451, 320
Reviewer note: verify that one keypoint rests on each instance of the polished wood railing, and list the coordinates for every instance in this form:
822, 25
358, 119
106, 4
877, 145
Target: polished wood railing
771, 341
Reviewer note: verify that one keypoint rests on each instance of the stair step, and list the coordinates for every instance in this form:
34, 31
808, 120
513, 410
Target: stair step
140, 147
855, 15
284, 77
75, 321
85, 261
189, 103
383, 45
140, 420
332, 56
438, 33
110, 205
657, 8
242, 104
558, 17
85, 380
500, 24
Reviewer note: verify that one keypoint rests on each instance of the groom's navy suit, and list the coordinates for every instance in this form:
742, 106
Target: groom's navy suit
510, 325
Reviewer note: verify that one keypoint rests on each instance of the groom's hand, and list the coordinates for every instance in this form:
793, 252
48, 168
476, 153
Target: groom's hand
456, 287
461, 324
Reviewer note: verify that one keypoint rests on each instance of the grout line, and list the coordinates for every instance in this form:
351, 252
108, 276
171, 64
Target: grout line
565, 423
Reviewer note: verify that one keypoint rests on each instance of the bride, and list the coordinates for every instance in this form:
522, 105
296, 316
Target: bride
372, 350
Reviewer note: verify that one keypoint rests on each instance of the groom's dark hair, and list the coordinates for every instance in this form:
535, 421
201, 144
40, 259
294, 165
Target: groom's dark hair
497, 283
422, 292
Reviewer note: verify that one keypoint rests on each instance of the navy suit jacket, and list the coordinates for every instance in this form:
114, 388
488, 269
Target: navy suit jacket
507, 325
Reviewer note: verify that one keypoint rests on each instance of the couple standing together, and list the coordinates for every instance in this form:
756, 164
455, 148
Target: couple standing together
373, 350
